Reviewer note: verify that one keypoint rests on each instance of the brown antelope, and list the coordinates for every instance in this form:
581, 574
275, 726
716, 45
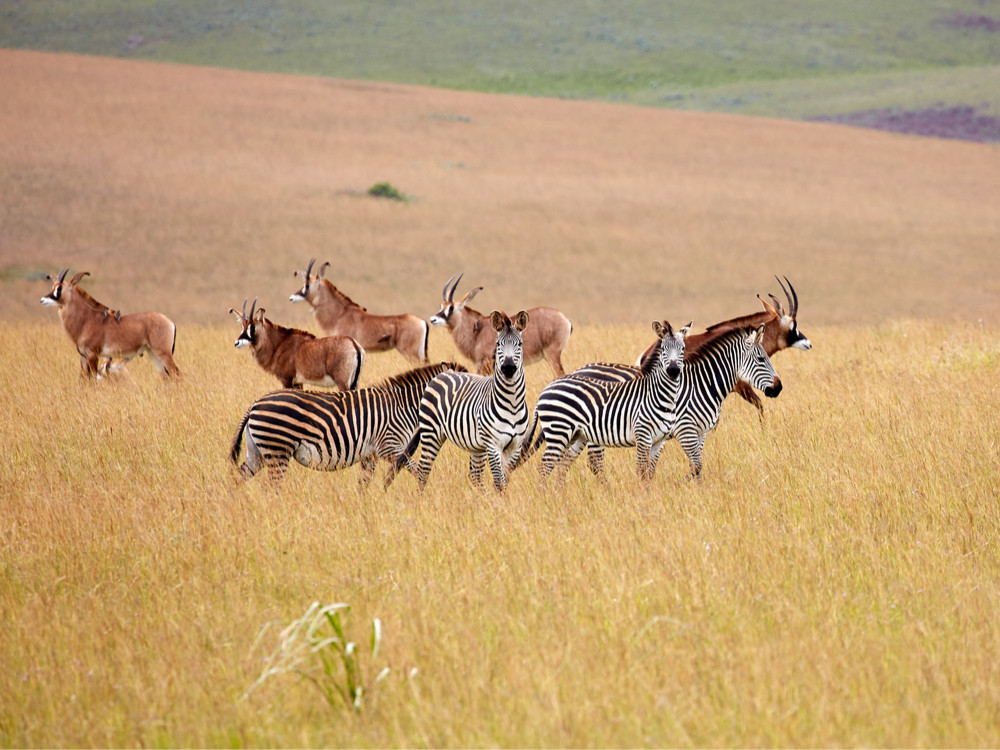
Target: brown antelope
545, 337
780, 332
337, 314
296, 357
101, 333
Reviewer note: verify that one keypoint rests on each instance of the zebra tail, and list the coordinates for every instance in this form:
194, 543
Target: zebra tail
527, 447
234, 452
407, 452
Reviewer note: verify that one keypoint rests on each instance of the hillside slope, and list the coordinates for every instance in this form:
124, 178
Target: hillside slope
189, 189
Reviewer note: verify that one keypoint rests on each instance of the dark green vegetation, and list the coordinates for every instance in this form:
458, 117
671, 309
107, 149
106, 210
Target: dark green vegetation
762, 57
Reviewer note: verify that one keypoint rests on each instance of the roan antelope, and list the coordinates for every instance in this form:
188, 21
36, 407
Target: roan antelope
337, 314
296, 357
781, 331
545, 337
98, 332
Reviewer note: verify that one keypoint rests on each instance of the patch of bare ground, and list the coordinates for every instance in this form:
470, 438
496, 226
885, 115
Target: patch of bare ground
188, 190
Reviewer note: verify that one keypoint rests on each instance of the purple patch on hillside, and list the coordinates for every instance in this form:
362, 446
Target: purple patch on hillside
959, 123
970, 21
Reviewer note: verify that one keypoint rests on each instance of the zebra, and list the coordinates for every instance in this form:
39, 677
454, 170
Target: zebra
710, 373
573, 411
485, 415
332, 430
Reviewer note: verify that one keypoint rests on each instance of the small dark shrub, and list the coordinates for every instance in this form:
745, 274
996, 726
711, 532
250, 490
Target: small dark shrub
386, 190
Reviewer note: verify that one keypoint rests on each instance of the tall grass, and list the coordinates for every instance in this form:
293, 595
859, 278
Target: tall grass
832, 580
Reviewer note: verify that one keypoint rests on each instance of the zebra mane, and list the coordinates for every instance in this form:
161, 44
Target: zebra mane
420, 374
713, 338
648, 363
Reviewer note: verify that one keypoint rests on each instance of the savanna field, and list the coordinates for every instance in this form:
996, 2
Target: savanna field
832, 580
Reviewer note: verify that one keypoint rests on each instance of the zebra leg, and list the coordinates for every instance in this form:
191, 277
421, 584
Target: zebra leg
477, 462
367, 472
430, 446
692, 442
595, 460
495, 456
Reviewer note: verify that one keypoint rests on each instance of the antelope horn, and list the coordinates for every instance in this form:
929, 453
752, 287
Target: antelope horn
444, 292
793, 298
451, 292
251, 307
322, 268
60, 276
309, 268
76, 279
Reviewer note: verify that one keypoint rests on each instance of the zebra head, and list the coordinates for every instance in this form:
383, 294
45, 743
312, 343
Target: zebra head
671, 347
755, 366
508, 358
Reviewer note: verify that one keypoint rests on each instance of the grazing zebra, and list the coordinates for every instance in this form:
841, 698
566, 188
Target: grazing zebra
332, 430
573, 411
485, 415
710, 374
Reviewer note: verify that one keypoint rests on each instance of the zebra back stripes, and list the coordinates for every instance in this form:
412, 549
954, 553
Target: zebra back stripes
484, 415
332, 430
709, 375
573, 411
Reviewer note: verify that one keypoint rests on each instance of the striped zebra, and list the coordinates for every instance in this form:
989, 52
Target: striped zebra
332, 430
485, 415
710, 373
574, 411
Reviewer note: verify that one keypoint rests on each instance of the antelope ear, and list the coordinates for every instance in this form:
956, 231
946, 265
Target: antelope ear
236, 312
686, 329
322, 270
767, 306
499, 321
468, 297
260, 315
76, 279
777, 305
521, 320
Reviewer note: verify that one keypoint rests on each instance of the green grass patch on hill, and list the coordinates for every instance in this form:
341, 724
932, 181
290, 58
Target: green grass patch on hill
636, 51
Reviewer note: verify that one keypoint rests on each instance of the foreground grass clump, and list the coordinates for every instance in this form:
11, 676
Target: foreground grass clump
831, 581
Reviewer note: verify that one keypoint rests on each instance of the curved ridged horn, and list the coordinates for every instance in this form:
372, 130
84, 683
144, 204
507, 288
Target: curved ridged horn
62, 275
76, 279
444, 292
251, 307
793, 298
450, 293
309, 268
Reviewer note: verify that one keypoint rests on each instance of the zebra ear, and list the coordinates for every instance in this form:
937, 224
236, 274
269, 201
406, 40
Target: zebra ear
756, 336
498, 320
521, 320
662, 330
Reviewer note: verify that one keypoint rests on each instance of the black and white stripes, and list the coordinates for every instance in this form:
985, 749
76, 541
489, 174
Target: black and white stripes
484, 415
332, 430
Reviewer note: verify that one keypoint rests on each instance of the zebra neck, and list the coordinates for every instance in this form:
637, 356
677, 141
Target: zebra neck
505, 389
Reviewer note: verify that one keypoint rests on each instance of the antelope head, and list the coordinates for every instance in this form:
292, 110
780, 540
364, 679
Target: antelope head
54, 298
448, 305
308, 280
790, 335
249, 322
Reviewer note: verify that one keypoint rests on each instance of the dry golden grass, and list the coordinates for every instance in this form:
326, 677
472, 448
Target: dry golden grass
831, 581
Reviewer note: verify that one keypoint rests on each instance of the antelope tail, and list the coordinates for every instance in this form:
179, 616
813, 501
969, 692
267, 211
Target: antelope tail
357, 370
